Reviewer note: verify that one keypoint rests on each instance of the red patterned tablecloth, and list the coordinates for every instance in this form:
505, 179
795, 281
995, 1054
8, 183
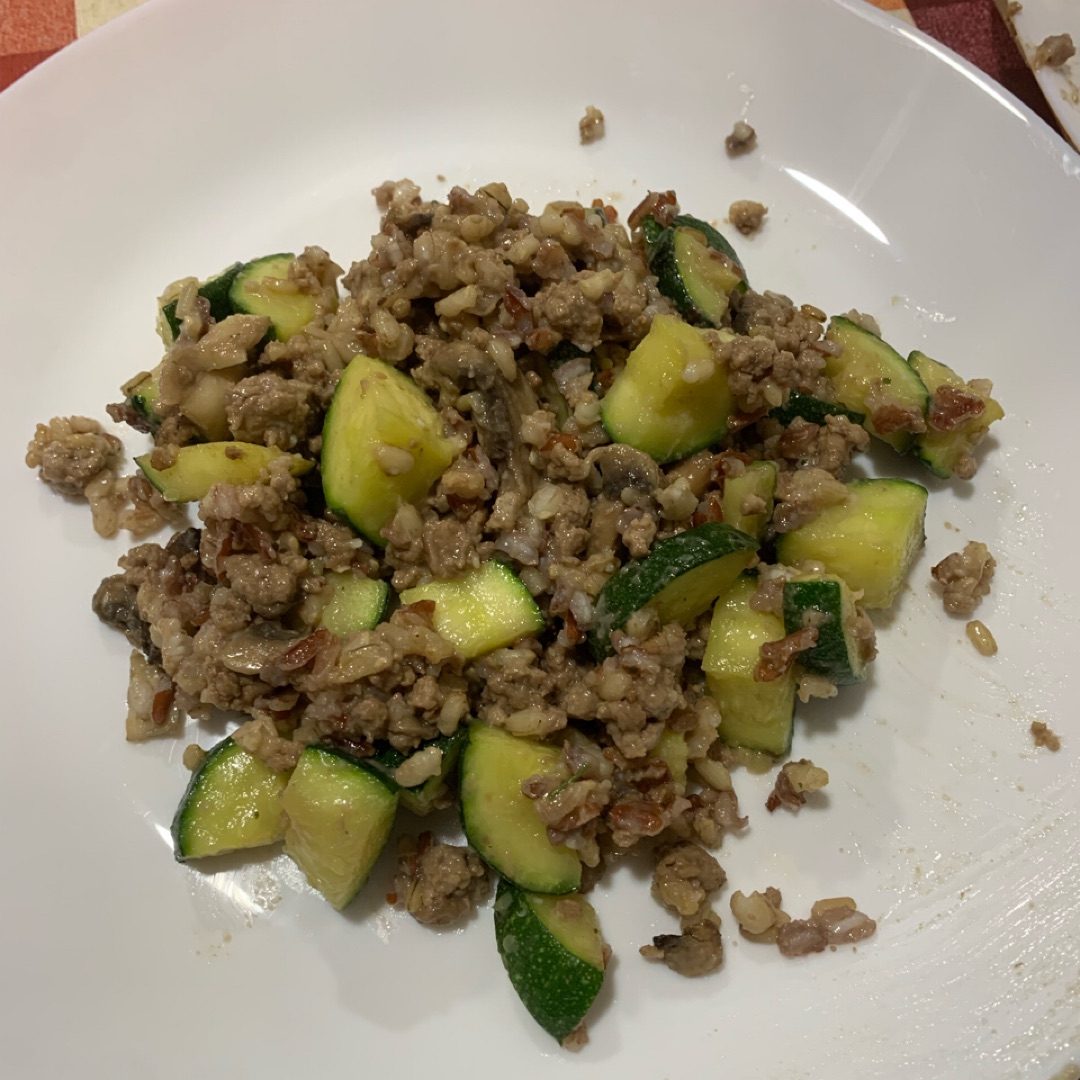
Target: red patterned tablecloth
31, 30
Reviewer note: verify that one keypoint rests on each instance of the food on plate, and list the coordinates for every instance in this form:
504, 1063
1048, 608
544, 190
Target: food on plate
747, 215
1054, 51
542, 517
979, 635
965, 577
591, 125
742, 140
1045, 736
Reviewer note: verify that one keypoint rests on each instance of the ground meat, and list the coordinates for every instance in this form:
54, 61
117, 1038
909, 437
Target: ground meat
795, 780
270, 410
834, 921
684, 877
70, 451
747, 215
800, 937
591, 125
439, 884
802, 495
743, 138
1044, 736
260, 737
1054, 51
697, 951
777, 658
964, 577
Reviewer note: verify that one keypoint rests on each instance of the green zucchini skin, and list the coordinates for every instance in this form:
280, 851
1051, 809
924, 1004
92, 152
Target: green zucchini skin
825, 601
215, 291
232, 802
500, 822
696, 268
356, 603
812, 409
714, 238
288, 313
866, 361
555, 960
680, 577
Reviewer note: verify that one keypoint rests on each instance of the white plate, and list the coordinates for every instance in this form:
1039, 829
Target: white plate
1033, 23
900, 182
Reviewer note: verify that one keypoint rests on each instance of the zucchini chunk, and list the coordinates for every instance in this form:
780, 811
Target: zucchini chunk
258, 288
214, 290
500, 822
356, 603
679, 579
741, 495
870, 541
697, 268
941, 451
825, 601
553, 952
757, 715
486, 609
383, 445
201, 465
868, 363
144, 396
434, 792
813, 410
339, 815
233, 801
653, 406
671, 748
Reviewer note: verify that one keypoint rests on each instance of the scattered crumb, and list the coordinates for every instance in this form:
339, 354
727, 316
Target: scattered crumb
979, 635
194, 756
747, 215
965, 577
742, 140
1054, 51
1045, 736
440, 178
1014, 8
795, 780
591, 125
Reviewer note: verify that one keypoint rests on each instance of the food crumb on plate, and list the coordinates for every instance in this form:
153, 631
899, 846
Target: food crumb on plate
979, 635
591, 125
742, 140
1044, 735
747, 215
1054, 51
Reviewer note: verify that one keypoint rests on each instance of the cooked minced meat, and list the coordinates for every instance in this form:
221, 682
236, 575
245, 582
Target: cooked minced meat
964, 577
1045, 736
794, 782
834, 921
591, 125
742, 140
438, 883
684, 878
1054, 51
747, 215
698, 950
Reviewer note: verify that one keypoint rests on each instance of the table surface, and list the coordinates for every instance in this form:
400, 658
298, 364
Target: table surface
32, 30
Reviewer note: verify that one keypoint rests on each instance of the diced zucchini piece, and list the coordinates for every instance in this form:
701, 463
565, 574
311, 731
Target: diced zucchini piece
824, 601
870, 540
742, 494
339, 816
679, 579
698, 275
672, 398
942, 451
812, 409
553, 951
261, 288
868, 362
383, 444
434, 792
232, 802
144, 397
501, 823
214, 290
356, 603
485, 609
201, 465
757, 715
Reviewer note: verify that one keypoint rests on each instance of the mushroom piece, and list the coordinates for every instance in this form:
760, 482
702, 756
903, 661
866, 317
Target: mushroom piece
617, 467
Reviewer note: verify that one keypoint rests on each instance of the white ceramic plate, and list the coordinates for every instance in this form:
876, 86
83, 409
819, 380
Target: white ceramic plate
900, 182
1033, 23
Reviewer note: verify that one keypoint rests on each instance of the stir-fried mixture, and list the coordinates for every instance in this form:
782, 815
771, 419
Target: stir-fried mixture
534, 514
